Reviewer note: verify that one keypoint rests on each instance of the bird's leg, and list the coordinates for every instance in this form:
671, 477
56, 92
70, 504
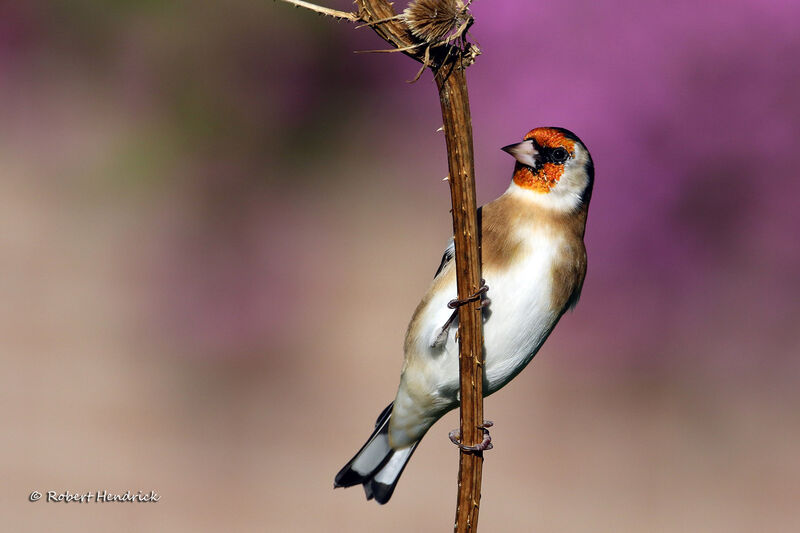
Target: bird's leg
442, 336
485, 444
480, 294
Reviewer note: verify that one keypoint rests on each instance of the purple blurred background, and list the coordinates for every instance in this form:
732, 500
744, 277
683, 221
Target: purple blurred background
217, 220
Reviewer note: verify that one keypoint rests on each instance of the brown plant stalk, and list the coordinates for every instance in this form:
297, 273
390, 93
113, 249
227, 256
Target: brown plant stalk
433, 32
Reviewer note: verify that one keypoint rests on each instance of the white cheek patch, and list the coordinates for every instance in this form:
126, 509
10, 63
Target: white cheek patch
567, 194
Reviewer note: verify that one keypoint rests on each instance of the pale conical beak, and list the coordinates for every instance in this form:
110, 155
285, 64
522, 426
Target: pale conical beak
524, 152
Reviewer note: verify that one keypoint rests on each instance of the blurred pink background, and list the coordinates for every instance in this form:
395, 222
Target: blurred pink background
216, 220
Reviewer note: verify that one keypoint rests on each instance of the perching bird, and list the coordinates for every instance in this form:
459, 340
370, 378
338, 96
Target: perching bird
534, 264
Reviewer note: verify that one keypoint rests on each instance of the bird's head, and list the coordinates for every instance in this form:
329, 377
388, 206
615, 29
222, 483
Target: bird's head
553, 168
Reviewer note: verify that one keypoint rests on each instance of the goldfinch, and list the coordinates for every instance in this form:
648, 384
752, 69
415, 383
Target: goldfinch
534, 263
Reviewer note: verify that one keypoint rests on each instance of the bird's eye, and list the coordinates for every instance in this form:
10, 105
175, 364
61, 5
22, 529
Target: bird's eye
560, 155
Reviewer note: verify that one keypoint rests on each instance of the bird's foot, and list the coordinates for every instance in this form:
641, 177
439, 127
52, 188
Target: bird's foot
479, 295
485, 444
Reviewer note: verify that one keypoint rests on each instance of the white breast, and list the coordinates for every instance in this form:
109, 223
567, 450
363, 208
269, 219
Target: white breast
516, 323
521, 314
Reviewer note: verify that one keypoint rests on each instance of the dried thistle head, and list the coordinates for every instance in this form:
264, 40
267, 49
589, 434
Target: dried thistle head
432, 21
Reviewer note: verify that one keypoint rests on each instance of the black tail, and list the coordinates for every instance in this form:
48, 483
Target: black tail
377, 465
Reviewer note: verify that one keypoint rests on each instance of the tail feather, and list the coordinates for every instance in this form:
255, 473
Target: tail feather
383, 482
376, 466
